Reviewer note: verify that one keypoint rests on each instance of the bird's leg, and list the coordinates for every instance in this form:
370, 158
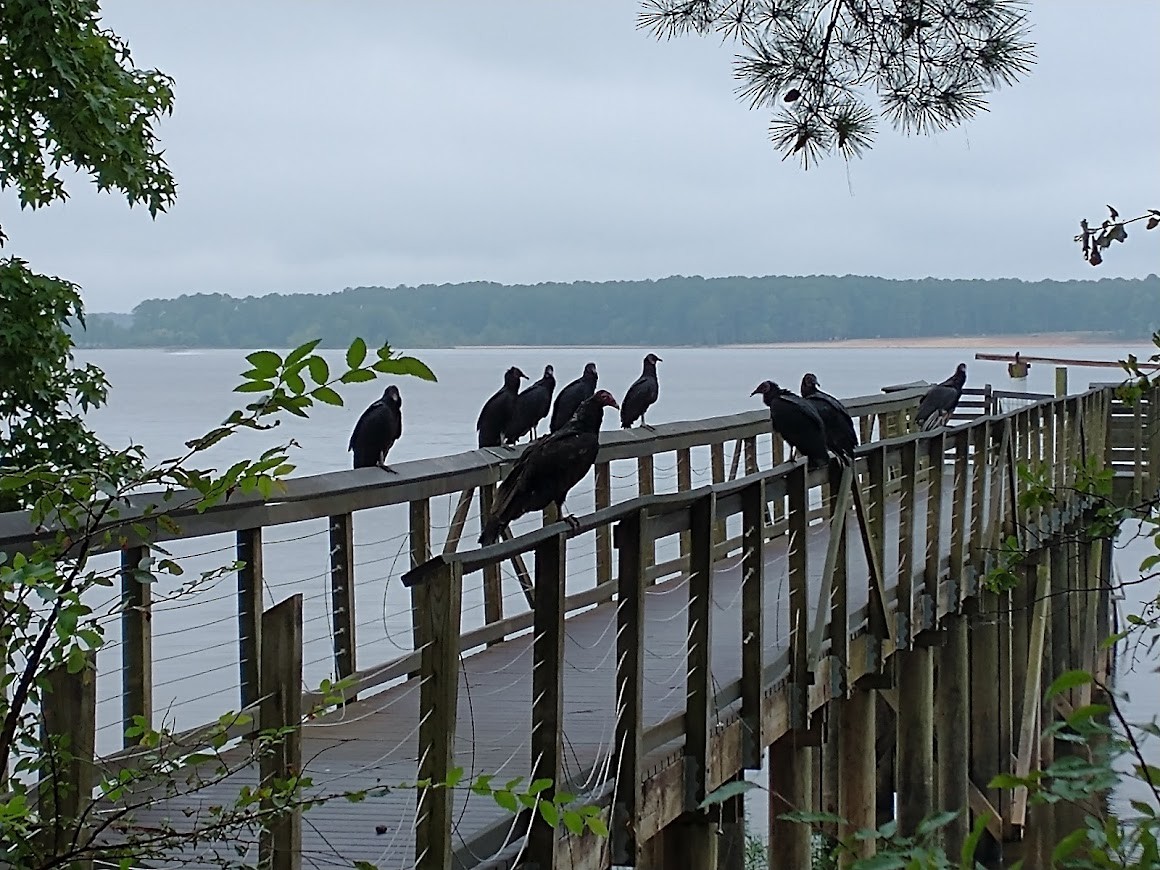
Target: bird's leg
387, 468
567, 517
645, 425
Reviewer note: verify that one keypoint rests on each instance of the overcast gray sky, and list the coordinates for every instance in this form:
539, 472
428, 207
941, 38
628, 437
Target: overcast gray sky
319, 146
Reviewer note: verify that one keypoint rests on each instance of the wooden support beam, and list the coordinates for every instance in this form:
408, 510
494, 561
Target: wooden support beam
976, 547
684, 484
522, 574
952, 729
547, 690
699, 679
632, 538
986, 759
419, 538
790, 788
717, 454
915, 755
646, 483
904, 612
493, 573
929, 604
250, 605
65, 791
735, 463
832, 594
603, 498
136, 639
441, 596
856, 742
959, 521
871, 525
1029, 730
458, 522
799, 577
280, 841
342, 596
753, 507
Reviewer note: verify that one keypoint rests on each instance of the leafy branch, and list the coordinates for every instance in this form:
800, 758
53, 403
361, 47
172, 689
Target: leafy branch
1093, 241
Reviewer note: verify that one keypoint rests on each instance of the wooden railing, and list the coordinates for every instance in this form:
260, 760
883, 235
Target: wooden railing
771, 698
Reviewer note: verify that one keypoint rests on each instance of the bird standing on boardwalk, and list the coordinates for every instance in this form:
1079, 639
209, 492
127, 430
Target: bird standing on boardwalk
797, 421
531, 407
549, 467
641, 394
498, 410
940, 401
840, 435
569, 398
377, 430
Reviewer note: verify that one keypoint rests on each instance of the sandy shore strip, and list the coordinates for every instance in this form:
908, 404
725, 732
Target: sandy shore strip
1014, 342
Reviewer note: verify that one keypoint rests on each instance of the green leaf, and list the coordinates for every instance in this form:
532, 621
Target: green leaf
319, 370
1067, 680
1006, 780
357, 376
1086, 712
295, 383
356, 353
506, 800
301, 352
596, 825
1068, 844
454, 777
406, 366
971, 843
254, 387
265, 361
539, 785
574, 822
932, 823
727, 791
327, 396
549, 813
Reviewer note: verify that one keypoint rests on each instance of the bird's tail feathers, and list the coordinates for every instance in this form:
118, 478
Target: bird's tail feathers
491, 531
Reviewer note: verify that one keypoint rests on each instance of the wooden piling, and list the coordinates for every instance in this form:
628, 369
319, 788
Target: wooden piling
65, 792
952, 708
280, 841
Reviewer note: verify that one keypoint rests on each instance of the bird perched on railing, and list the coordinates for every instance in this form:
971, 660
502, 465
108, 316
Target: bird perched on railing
641, 395
532, 406
498, 410
549, 467
377, 430
797, 421
940, 401
839, 425
569, 398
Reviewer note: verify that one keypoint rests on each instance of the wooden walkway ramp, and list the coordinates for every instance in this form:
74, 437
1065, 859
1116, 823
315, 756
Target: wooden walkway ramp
652, 685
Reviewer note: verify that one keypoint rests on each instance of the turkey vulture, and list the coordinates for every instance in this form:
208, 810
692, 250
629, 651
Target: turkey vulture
641, 394
940, 401
797, 421
498, 409
840, 435
569, 398
377, 430
549, 467
531, 407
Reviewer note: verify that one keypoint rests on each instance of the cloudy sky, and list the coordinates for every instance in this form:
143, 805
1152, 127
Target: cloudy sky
319, 146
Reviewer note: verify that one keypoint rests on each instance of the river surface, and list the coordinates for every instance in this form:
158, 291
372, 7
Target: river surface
161, 399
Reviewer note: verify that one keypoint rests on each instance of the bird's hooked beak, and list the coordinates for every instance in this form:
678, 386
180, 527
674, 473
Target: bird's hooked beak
760, 389
612, 403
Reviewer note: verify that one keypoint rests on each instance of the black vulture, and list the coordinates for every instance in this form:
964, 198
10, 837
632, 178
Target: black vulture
377, 430
641, 394
498, 409
797, 421
569, 398
531, 407
549, 467
940, 401
840, 435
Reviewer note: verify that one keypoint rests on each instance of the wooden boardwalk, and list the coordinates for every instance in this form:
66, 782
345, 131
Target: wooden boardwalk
373, 741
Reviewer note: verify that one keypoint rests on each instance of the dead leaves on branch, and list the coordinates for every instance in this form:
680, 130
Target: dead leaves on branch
1093, 241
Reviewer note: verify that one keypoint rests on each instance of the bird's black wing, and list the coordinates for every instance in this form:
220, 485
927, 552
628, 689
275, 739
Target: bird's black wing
368, 426
548, 467
640, 395
937, 405
837, 416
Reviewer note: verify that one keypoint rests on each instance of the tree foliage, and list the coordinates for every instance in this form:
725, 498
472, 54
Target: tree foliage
670, 311
1093, 242
824, 64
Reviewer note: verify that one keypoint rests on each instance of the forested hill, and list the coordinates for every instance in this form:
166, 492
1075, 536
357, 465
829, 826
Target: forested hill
670, 311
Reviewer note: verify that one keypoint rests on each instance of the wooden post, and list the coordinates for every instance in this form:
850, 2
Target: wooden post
717, 452
1060, 381
796, 484
646, 482
684, 484
250, 598
959, 519
904, 618
699, 680
419, 536
280, 843
929, 604
136, 640
631, 540
458, 521
789, 791
856, 759
752, 622
69, 711
985, 759
603, 533
493, 573
342, 596
441, 595
915, 755
547, 690
952, 702
731, 850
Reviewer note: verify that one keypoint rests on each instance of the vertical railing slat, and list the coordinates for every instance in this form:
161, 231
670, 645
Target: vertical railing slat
342, 596
250, 605
136, 640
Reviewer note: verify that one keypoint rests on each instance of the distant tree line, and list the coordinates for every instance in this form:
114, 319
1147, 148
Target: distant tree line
669, 311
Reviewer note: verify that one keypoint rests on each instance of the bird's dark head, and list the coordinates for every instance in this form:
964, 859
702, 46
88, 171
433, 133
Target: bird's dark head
512, 377
549, 372
766, 389
605, 399
809, 383
961, 369
391, 394
590, 369
652, 359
